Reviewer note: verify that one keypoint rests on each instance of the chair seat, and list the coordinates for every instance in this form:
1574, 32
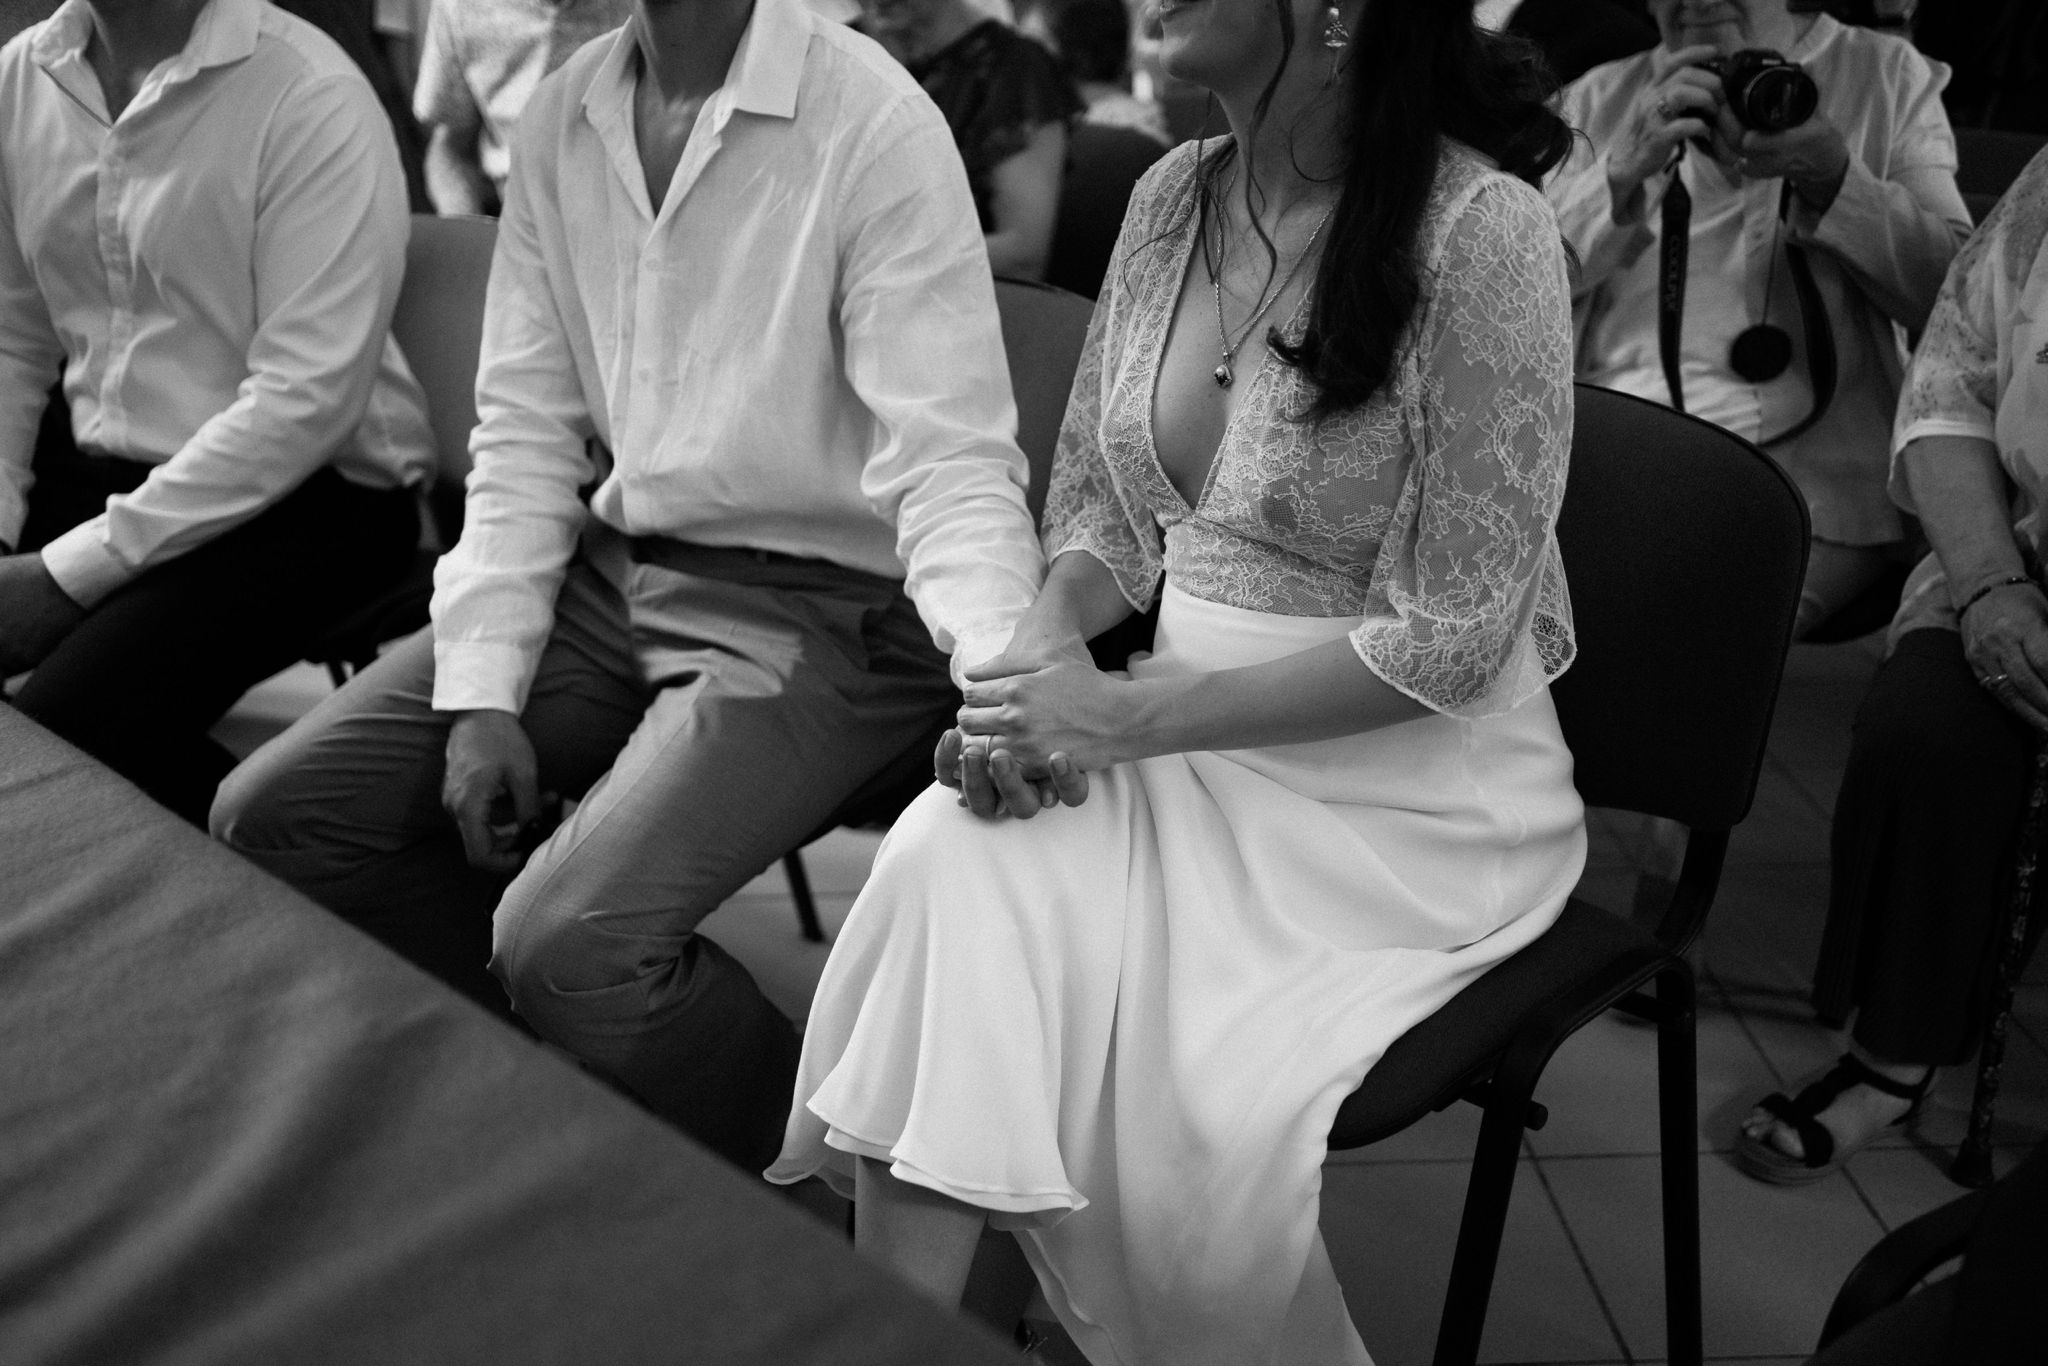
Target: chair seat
1434, 1063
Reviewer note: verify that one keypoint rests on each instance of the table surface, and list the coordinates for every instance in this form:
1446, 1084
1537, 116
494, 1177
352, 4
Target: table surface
232, 1129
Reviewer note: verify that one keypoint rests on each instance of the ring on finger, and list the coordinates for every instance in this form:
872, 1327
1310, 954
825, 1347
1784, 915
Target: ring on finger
1663, 107
1996, 682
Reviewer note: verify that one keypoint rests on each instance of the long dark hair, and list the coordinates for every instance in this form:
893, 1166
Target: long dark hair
1419, 71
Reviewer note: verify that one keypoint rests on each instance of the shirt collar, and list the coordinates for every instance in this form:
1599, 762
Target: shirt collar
766, 71
224, 32
1817, 36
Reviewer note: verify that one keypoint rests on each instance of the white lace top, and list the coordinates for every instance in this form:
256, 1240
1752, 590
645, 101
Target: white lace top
1429, 511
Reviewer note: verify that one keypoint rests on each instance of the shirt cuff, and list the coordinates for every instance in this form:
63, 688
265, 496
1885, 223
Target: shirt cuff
1860, 200
481, 676
83, 566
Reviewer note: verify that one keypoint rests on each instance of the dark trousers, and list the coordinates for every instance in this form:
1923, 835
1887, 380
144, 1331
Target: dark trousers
1923, 849
143, 678
707, 710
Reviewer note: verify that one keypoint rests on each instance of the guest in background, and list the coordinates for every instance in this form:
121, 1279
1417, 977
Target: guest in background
246, 434
1008, 104
783, 349
1944, 742
1120, 1030
1092, 39
1803, 253
478, 67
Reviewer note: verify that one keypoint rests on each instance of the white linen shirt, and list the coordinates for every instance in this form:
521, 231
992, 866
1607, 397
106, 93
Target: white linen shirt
797, 351
1878, 255
214, 271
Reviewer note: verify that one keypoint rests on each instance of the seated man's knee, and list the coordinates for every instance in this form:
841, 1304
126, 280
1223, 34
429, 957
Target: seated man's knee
564, 973
251, 810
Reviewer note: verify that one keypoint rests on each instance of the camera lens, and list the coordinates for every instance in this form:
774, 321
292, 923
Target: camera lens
1777, 98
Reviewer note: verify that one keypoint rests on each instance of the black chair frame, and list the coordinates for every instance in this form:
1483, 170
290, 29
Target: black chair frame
1664, 517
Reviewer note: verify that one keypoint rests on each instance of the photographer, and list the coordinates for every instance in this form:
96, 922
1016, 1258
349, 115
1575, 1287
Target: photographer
1816, 208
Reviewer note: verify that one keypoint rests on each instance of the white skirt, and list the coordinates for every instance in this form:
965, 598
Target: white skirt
1124, 1028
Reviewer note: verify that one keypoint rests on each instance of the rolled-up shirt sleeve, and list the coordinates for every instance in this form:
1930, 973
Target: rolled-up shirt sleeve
1467, 611
924, 352
330, 241
1897, 226
494, 592
31, 355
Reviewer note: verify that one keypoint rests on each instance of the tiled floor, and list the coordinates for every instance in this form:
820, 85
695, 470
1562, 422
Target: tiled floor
1580, 1277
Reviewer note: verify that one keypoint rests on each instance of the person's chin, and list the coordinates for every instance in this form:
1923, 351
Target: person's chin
1186, 47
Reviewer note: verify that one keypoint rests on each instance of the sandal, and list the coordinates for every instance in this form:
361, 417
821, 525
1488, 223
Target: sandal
1762, 1159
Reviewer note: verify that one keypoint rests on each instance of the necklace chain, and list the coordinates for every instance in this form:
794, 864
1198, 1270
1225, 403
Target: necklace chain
1224, 373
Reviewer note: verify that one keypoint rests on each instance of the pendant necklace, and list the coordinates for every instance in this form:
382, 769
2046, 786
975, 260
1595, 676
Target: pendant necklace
1223, 373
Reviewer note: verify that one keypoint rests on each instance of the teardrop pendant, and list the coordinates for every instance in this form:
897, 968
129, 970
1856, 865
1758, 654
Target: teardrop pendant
1223, 375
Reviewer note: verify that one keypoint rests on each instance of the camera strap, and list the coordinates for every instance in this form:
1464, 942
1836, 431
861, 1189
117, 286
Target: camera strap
1676, 235
1672, 249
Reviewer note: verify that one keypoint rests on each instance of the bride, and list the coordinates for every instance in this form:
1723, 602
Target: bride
1109, 996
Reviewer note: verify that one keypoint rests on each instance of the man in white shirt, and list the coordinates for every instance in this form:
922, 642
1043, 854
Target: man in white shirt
739, 252
203, 227
478, 66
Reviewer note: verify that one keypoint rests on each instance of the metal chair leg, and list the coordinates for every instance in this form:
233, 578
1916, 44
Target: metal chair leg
800, 893
1677, 1125
1479, 1232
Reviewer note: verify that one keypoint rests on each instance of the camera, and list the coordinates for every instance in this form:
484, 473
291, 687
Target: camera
1765, 91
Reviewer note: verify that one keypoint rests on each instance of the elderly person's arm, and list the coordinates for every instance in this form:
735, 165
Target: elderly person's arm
1633, 118
1949, 471
1895, 227
1964, 499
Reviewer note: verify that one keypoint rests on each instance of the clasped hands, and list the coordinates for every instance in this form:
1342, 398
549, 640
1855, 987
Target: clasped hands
1034, 722
1684, 102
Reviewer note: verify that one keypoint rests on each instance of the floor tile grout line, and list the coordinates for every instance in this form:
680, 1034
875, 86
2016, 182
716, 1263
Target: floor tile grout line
1579, 1253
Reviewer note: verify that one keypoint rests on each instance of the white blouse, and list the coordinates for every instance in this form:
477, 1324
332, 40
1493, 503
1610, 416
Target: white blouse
1428, 511
1982, 371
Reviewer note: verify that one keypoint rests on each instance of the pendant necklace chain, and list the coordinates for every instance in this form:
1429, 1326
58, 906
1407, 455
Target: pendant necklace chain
1224, 373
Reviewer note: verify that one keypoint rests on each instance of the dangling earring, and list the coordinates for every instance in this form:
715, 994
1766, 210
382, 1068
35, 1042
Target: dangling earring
1335, 36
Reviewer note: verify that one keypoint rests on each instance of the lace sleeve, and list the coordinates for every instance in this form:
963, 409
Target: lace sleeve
1467, 611
1086, 508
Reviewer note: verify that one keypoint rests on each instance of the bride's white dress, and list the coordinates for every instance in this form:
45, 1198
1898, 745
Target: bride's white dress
1124, 1028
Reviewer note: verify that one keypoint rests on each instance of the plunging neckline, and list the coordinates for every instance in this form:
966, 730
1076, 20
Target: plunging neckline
1154, 357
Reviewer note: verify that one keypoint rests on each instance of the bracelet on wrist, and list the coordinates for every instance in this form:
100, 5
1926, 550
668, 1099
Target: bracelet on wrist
1986, 590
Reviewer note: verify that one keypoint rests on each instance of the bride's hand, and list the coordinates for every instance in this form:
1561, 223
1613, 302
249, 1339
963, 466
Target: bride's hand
1065, 708
992, 783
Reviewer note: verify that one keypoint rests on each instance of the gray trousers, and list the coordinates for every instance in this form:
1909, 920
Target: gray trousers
707, 716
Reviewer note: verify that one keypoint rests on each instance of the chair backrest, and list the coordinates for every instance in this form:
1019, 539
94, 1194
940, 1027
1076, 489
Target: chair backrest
1043, 331
1684, 546
439, 325
1988, 160
1103, 164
